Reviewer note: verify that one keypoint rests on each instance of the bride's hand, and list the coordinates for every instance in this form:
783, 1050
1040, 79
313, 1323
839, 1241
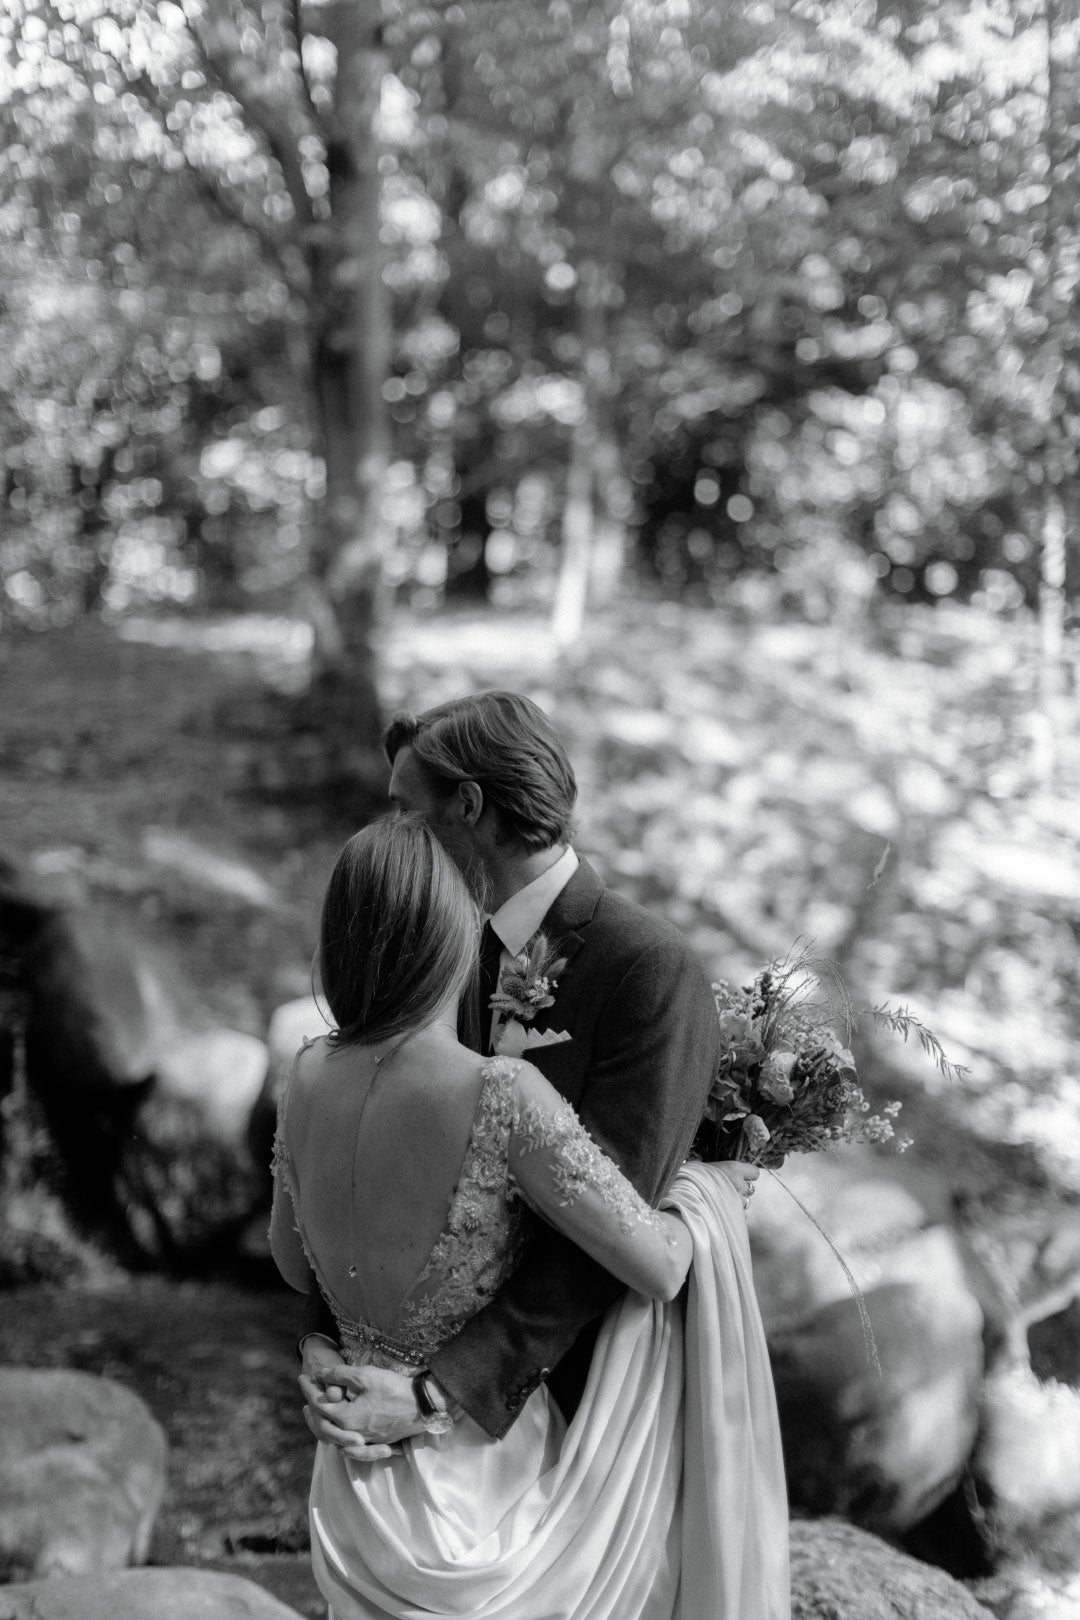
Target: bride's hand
742, 1177
318, 1355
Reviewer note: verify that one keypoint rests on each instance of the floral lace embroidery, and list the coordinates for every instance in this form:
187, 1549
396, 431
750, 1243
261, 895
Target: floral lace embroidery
579, 1165
481, 1241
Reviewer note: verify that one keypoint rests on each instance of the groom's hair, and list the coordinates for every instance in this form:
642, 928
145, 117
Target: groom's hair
505, 744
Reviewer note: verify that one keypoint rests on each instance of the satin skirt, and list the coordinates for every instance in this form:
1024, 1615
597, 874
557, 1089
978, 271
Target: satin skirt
663, 1500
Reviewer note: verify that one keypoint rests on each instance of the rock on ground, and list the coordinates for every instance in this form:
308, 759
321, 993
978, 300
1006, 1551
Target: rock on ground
219, 1071
287, 1576
150, 1119
185, 1169
880, 1445
82, 1473
841, 1573
143, 1594
1029, 1594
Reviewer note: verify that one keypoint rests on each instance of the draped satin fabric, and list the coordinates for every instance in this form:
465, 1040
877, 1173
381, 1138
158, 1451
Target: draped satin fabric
664, 1500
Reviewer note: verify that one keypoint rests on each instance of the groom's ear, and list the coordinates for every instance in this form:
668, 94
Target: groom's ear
470, 802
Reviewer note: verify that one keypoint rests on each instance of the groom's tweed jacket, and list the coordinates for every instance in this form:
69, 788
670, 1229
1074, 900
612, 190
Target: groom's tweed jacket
643, 1050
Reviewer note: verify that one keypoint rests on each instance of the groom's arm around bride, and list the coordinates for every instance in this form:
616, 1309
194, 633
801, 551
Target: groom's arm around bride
492, 777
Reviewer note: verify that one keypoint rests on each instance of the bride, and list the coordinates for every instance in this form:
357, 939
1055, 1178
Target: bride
403, 1164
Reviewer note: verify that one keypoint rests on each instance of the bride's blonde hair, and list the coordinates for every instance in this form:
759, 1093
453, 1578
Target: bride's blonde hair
398, 932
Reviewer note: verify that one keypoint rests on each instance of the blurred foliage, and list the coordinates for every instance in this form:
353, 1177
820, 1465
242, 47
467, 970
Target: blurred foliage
754, 782
831, 335
757, 783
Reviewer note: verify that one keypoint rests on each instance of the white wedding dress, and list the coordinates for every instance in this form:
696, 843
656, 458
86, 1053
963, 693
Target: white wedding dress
664, 1499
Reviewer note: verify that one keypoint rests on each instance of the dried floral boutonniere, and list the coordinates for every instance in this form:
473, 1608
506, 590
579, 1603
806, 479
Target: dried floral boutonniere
525, 990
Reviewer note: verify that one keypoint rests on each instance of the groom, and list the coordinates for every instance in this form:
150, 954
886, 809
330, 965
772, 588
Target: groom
631, 1041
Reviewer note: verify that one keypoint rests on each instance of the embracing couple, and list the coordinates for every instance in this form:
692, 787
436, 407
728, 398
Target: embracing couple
539, 1379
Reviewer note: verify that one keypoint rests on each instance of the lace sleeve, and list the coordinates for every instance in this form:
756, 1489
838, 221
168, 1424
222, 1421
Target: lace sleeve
568, 1179
577, 1165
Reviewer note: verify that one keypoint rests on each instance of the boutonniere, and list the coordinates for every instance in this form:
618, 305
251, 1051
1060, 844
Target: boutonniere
525, 990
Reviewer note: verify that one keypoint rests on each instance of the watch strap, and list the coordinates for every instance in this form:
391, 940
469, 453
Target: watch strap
436, 1419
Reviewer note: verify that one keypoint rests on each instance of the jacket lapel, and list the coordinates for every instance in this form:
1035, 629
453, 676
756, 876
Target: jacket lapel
571, 911
574, 906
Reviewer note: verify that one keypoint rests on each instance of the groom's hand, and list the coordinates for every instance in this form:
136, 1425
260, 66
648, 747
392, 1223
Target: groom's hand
362, 1410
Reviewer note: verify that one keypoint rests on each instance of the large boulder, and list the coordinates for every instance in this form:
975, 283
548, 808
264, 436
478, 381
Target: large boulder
94, 1005
87, 1016
841, 1573
143, 1594
219, 1074
1027, 1461
1025, 1592
82, 1473
882, 1444
288, 1575
185, 1173
147, 1111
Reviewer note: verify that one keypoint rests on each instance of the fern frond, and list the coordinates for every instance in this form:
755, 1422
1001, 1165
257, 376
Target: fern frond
903, 1022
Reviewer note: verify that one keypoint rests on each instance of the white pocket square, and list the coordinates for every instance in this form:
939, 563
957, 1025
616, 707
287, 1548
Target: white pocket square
515, 1038
545, 1037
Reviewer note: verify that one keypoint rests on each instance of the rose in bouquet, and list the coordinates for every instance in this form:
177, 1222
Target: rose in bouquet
786, 1081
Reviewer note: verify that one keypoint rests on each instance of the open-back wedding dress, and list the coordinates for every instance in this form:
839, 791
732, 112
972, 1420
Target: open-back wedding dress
664, 1498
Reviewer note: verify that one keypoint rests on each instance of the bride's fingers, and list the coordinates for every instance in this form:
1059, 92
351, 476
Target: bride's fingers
314, 1390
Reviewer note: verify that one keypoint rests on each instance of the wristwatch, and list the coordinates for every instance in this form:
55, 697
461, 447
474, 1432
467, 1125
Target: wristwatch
436, 1419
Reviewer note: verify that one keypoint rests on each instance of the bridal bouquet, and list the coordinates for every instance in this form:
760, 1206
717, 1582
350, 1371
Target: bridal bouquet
786, 1081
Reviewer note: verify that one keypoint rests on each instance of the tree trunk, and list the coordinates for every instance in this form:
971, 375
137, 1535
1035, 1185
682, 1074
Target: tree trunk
1052, 607
609, 530
469, 575
593, 464
1059, 469
1052, 597
351, 346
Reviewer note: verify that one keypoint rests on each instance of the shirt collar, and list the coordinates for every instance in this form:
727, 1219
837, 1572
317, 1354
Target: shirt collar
518, 918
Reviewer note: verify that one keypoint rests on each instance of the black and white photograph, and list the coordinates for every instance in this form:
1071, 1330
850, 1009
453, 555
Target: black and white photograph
539, 810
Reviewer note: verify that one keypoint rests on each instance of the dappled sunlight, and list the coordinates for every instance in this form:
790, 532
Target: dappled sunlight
494, 650
287, 640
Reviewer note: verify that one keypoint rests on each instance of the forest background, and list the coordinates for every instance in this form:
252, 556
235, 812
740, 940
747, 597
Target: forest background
711, 372
748, 329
